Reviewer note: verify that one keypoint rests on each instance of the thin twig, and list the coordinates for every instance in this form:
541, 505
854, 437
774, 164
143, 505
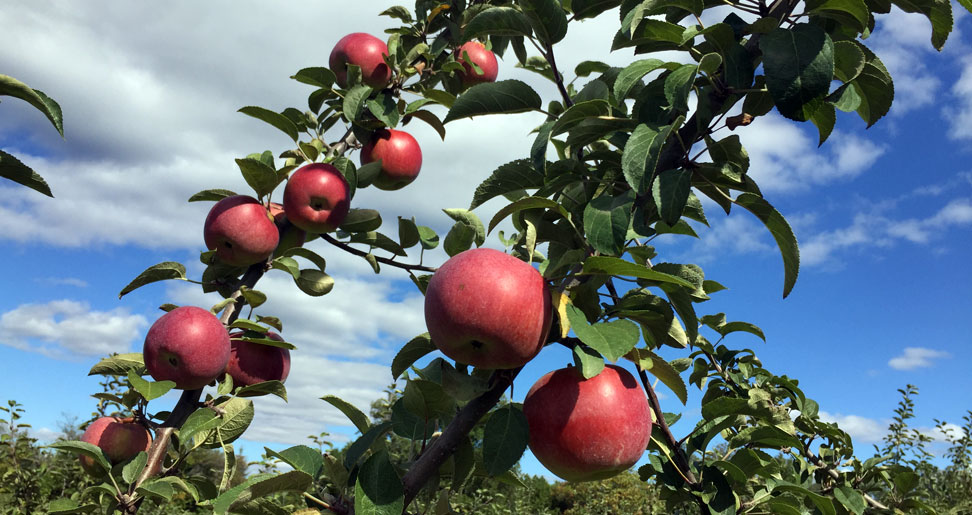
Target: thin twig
390, 262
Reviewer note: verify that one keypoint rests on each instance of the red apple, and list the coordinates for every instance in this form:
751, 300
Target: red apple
188, 345
120, 441
587, 429
365, 51
317, 198
290, 235
400, 154
488, 309
484, 59
252, 363
240, 230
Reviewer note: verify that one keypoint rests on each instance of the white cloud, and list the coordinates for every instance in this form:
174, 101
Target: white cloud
69, 329
959, 113
861, 429
916, 357
65, 281
784, 155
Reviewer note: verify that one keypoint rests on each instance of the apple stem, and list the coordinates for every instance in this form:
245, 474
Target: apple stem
390, 262
439, 451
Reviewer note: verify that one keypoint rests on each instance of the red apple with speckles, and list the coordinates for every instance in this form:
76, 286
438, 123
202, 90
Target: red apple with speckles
291, 236
481, 57
400, 155
588, 429
241, 231
317, 198
252, 363
120, 441
188, 345
488, 309
365, 51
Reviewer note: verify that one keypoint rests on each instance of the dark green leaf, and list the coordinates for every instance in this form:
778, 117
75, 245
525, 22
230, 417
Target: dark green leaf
84, 449
410, 353
261, 177
316, 76
361, 220
781, 232
938, 12
214, 195
591, 8
632, 74
359, 419
670, 191
526, 203
616, 266
499, 21
578, 113
611, 339
155, 273
548, 19
504, 439
263, 388
606, 221
875, 89
799, 65
133, 468
354, 102
259, 486
639, 161
385, 109
851, 499
427, 399
427, 237
378, 489
506, 96
513, 176
66, 506
850, 13
11, 168
276, 119
824, 504
314, 282
235, 416
433, 120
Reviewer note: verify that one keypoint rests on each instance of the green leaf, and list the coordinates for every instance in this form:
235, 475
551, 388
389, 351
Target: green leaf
410, 353
670, 191
235, 416
408, 425
498, 21
639, 161
588, 361
164, 488
548, 19
938, 12
513, 176
378, 489
359, 419
428, 238
825, 117
678, 86
119, 365
632, 74
505, 438
259, 486
160, 272
12, 87
611, 339
525, 203
408, 233
374, 437
538, 152
261, 177
745, 327
211, 195
591, 8
506, 96
850, 13
851, 499
799, 65
11, 168
592, 129
276, 119
578, 113
361, 220
300, 457
148, 389
617, 266
781, 232
433, 121
354, 102
263, 388
197, 427
606, 221
427, 399
663, 370
470, 219
314, 282
385, 109
315, 76
85, 449
824, 504
875, 89
133, 468
66, 506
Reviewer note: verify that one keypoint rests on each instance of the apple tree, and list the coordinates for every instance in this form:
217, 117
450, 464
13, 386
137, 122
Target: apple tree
625, 154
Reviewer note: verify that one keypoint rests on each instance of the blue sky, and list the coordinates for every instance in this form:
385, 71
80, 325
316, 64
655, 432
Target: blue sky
884, 216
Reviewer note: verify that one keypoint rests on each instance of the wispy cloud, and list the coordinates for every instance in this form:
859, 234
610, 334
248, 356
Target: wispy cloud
66, 329
65, 281
861, 429
916, 357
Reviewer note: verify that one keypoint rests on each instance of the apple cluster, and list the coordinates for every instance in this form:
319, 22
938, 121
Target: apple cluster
491, 310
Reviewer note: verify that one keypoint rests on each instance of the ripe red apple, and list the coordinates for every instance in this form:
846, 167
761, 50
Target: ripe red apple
484, 59
488, 309
188, 345
252, 363
317, 198
120, 441
400, 154
291, 236
584, 430
365, 51
240, 230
